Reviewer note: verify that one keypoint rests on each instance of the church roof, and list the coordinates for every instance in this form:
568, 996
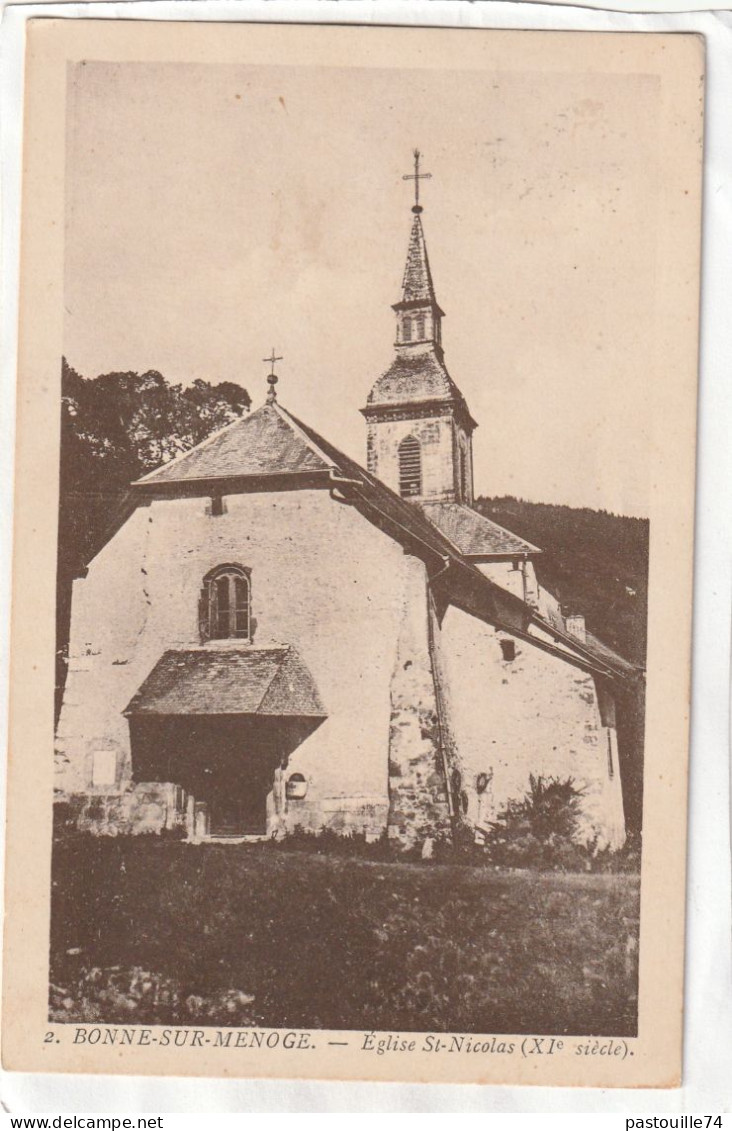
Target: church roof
417, 284
282, 447
261, 443
412, 378
473, 534
228, 681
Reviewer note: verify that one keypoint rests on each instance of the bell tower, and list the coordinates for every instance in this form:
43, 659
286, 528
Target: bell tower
419, 427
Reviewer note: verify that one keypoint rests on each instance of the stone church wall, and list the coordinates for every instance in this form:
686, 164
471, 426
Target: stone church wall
435, 435
521, 580
341, 611
420, 747
533, 714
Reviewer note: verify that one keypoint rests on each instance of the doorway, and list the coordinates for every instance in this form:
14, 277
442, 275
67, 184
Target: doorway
227, 763
237, 799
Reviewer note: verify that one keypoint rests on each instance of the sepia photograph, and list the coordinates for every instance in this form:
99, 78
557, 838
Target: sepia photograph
357, 398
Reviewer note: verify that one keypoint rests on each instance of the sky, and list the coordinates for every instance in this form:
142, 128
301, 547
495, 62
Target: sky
214, 211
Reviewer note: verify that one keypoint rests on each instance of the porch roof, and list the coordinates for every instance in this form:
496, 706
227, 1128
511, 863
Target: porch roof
229, 681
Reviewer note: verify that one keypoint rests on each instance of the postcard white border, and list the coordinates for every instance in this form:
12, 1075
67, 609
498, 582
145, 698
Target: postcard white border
708, 1024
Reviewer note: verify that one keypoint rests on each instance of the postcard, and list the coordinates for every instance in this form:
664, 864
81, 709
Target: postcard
353, 553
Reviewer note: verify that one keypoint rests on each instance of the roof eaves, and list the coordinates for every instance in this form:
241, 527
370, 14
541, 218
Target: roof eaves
484, 557
614, 664
192, 482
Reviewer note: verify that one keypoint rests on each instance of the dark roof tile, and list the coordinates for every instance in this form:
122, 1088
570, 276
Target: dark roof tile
473, 534
228, 681
260, 444
417, 284
412, 378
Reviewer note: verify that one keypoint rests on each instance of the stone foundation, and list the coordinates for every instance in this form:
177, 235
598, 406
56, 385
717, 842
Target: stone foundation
148, 807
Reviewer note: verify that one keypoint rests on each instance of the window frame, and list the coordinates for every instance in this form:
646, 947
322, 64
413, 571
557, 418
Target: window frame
237, 612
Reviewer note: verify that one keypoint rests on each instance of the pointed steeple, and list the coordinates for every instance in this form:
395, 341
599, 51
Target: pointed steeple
415, 410
419, 316
417, 285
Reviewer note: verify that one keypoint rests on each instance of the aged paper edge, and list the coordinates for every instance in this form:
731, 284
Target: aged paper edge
32, 669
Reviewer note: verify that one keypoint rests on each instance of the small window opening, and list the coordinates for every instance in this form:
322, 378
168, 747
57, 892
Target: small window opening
226, 604
420, 327
217, 505
407, 330
410, 467
508, 648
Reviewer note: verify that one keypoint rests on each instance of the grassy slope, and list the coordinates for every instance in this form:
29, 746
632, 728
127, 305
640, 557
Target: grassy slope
325, 942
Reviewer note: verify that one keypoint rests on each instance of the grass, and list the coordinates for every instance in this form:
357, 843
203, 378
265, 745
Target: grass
162, 931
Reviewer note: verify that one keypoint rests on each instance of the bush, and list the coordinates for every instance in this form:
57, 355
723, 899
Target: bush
542, 831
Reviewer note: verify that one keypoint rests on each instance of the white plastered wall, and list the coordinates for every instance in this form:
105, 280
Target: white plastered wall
323, 579
535, 714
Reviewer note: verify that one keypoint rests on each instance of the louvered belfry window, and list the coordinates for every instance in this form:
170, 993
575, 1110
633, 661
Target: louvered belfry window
226, 602
410, 467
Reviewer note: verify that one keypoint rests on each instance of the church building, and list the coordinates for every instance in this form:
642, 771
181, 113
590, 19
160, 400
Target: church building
278, 638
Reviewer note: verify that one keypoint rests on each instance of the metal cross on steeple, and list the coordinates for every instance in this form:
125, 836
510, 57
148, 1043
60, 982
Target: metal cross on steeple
416, 176
272, 379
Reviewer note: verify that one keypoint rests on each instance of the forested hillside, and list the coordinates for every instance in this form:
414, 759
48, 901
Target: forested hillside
595, 563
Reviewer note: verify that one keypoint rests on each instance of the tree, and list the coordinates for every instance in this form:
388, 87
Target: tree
114, 429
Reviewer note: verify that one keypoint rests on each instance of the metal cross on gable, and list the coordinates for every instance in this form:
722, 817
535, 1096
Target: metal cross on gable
416, 176
272, 379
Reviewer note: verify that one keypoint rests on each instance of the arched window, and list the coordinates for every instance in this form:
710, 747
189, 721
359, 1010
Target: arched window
410, 467
225, 607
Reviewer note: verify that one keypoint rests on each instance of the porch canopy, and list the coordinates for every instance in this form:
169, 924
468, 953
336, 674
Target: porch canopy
228, 681
218, 722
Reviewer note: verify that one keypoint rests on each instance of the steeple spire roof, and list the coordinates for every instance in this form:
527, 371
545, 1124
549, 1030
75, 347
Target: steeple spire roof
417, 285
417, 374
